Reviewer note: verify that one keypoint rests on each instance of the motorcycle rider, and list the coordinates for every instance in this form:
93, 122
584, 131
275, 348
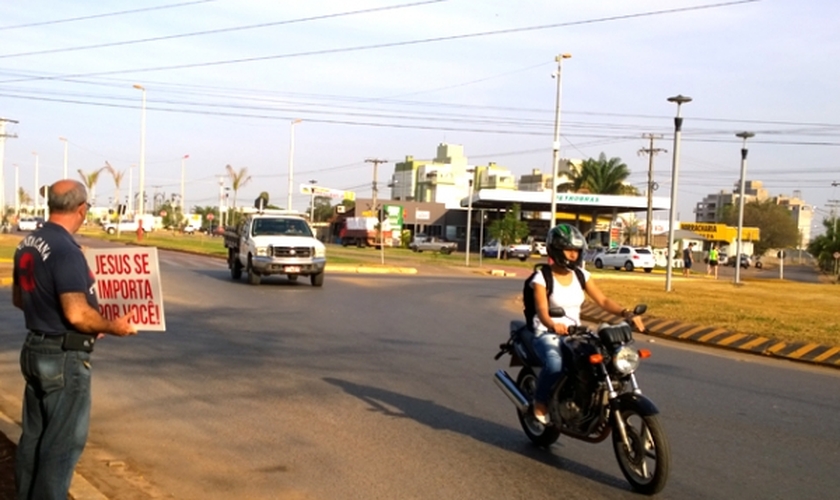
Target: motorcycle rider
565, 246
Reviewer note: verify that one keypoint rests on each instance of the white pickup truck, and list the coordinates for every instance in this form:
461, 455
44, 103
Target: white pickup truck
275, 242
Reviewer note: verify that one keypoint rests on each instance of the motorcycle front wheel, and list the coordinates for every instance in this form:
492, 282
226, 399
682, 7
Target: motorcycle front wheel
646, 462
539, 434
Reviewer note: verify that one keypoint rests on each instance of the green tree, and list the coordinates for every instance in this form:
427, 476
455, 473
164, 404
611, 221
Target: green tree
261, 200
118, 177
775, 223
173, 214
90, 180
510, 228
237, 180
323, 209
825, 245
204, 212
23, 197
601, 176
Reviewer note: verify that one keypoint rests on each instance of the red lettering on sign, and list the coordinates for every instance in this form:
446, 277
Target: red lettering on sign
143, 314
141, 263
109, 311
113, 264
126, 289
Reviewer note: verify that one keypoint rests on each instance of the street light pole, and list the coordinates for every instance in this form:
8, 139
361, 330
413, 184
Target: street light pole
36, 183
142, 193
64, 140
469, 215
675, 169
183, 178
291, 162
17, 191
555, 160
131, 189
744, 136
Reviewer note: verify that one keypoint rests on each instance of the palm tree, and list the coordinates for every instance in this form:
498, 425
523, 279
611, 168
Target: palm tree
90, 180
118, 177
601, 176
23, 197
237, 180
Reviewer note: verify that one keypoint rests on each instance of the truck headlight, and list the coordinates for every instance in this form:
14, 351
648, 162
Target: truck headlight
626, 360
262, 251
320, 251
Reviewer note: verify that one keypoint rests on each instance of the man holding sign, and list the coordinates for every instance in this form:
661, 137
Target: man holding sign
56, 291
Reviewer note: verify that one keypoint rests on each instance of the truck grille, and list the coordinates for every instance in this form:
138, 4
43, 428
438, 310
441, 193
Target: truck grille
299, 252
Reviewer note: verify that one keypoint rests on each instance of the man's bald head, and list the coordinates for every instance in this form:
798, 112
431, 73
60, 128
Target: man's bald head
66, 195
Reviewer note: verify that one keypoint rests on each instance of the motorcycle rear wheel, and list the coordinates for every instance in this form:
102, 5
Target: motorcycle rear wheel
645, 465
539, 434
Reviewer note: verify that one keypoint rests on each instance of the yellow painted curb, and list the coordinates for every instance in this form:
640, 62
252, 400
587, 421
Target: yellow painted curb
824, 355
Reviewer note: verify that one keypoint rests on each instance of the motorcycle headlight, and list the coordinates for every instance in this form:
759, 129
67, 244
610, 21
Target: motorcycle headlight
626, 360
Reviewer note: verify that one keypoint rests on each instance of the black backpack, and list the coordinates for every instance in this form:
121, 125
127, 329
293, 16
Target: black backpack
528, 292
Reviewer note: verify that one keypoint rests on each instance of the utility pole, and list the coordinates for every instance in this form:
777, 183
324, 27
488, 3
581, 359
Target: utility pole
555, 147
3, 136
221, 201
375, 207
650, 151
833, 205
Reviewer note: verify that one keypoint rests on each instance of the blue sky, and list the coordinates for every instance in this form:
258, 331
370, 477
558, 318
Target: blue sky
391, 82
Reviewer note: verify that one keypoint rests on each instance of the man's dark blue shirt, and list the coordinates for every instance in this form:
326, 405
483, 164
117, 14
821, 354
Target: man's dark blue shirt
48, 263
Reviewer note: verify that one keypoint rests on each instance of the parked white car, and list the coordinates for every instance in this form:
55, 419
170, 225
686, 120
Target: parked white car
626, 257
519, 251
123, 226
29, 223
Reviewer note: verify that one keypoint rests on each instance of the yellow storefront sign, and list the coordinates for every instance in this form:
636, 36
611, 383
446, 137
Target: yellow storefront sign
720, 232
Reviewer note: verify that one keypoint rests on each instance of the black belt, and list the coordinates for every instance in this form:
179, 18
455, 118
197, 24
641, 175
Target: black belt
70, 341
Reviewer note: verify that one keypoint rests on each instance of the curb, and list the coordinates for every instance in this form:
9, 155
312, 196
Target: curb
80, 488
804, 352
362, 269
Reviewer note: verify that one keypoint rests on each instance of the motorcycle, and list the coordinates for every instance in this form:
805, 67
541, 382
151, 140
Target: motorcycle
596, 395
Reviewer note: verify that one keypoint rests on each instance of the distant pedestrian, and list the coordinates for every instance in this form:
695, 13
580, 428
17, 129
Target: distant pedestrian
688, 259
54, 287
714, 256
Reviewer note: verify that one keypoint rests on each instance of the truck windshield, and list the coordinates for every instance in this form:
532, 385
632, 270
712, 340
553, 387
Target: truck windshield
280, 227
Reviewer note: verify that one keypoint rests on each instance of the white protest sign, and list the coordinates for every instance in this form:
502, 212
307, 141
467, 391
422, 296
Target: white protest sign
128, 282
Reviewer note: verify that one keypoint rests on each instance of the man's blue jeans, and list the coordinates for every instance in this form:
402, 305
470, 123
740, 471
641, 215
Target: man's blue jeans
547, 347
56, 417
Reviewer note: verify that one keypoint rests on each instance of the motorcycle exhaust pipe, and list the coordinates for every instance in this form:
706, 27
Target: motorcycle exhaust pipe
508, 386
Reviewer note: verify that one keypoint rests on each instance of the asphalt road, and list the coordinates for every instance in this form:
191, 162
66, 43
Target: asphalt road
381, 387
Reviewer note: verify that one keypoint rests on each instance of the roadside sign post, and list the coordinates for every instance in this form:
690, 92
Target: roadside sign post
781, 256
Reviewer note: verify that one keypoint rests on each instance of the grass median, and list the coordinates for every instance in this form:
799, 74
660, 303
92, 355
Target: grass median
780, 309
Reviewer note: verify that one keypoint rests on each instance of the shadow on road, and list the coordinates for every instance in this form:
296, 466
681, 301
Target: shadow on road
439, 417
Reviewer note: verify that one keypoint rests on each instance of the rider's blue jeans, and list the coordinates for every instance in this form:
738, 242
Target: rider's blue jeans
547, 347
56, 417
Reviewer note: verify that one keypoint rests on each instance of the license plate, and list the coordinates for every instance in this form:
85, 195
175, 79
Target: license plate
291, 269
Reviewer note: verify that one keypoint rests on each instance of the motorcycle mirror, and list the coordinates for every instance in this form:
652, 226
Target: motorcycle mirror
556, 312
640, 309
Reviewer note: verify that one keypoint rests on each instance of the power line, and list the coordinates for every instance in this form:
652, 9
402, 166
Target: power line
109, 14
399, 44
216, 31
